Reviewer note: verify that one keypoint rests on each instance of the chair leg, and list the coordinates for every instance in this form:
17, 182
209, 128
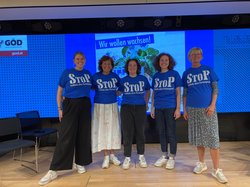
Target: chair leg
35, 162
36, 157
38, 143
14, 153
37, 146
21, 156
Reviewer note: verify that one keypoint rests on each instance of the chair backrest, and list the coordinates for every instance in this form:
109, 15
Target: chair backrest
29, 119
9, 126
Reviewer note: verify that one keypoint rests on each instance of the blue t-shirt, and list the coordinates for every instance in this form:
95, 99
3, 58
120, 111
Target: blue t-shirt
133, 89
198, 82
75, 83
105, 87
164, 86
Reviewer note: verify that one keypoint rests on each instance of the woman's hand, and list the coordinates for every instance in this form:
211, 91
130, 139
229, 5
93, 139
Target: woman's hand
210, 110
152, 112
60, 114
118, 93
177, 113
185, 115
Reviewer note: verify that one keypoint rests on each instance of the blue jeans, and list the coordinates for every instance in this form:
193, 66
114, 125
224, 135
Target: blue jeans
167, 129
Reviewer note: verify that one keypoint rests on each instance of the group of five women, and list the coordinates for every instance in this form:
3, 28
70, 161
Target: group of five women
80, 135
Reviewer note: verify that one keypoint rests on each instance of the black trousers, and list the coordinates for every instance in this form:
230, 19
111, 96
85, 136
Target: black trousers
74, 135
133, 121
166, 124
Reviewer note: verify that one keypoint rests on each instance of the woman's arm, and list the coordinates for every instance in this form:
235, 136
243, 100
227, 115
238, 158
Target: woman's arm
211, 108
152, 111
177, 112
59, 99
185, 115
147, 96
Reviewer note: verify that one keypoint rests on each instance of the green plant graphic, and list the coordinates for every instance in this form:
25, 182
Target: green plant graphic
143, 53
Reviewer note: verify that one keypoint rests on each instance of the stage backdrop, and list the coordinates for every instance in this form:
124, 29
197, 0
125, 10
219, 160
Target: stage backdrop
30, 65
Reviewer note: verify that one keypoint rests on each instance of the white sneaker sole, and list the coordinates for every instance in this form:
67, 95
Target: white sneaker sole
168, 167
160, 165
143, 166
81, 172
105, 167
46, 182
125, 168
115, 163
221, 181
204, 169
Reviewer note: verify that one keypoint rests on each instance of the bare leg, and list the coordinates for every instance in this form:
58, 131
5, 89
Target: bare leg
201, 153
215, 155
106, 152
113, 159
105, 163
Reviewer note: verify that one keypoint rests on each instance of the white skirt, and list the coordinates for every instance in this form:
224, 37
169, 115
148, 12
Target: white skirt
106, 129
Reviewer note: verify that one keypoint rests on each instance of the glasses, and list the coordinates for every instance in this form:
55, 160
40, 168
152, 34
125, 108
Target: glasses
195, 54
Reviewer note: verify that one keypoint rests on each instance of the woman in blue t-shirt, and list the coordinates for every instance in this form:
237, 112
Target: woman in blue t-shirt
74, 110
165, 106
136, 92
106, 131
199, 100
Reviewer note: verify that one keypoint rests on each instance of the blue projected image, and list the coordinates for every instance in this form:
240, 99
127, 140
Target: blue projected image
232, 64
29, 73
30, 82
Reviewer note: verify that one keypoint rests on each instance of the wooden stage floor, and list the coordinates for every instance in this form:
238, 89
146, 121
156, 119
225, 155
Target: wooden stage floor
235, 162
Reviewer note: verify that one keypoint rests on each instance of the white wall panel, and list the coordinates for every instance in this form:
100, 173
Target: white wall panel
25, 3
180, 1
136, 10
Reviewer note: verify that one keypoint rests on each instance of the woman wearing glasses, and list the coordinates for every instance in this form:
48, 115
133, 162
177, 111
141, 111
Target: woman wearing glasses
199, 100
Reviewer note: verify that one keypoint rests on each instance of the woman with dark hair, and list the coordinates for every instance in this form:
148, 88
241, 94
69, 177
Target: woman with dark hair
106, 131
136, 92
74, 110
165, 106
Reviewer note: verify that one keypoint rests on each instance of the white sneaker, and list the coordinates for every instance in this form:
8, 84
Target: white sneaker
114, 160
126, 163
219, 176
80, 169
142, 161
200, 167
51, 175
105, 163
161, 161
170, 163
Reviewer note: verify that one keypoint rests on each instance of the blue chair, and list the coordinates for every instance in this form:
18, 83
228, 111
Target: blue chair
31, 126
11, 139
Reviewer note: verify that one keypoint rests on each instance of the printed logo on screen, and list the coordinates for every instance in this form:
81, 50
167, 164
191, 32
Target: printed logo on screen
1, 42
14, 45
